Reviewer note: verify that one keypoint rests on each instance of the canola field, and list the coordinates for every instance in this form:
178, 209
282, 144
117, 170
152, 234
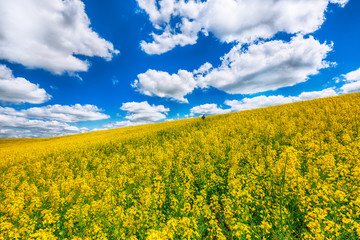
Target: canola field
283, 172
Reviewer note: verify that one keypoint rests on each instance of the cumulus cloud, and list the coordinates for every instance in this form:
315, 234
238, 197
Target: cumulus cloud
329, 92
123, 124
208, 109
144, 112
62, 113
139, 113
19, 90
352, 82
14, 126
162, 84
353, 76
351, 87
47, 121
11, 133
265, 101
342, 3
230, 20
204, 69
267, 66
49, 35
259, 102
261, 67
160, 14
170, 39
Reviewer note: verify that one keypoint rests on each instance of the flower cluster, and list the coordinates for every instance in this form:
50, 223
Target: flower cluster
283, 172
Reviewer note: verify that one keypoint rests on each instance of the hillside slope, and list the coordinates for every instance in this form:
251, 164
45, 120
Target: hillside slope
283, 172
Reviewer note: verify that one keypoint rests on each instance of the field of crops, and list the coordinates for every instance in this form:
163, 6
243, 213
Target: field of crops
283, 172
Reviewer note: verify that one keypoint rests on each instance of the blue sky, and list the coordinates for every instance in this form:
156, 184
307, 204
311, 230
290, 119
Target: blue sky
76, 66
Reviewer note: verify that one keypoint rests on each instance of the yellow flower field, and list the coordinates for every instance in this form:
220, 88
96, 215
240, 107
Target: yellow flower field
283, 172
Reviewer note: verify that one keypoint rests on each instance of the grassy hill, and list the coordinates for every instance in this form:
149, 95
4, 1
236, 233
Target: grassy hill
283, 172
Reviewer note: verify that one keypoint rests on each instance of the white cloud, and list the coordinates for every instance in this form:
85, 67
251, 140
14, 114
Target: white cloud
19, 90
230, 20
62, 113
329, 92
208, 109
258, 102
158, 16
123, 124
268, 66
265, 101
139, 113
342, 3
204, 69
144, 112
248, 20
49, 34
261, 67
351, 87
11, 133
352, 82
47, 121
169, 39
353, 76
162, 84
13, 126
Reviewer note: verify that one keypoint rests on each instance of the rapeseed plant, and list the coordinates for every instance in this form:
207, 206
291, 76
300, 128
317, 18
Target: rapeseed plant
283, 172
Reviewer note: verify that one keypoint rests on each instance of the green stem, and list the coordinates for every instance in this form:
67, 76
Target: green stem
281, 198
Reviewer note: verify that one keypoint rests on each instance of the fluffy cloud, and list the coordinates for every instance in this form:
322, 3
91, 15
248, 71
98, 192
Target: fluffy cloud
144, 112
230, 20
351, 87
123, 124
160, 14
329, 92
139, 113
342, 3
208, 109
62, 113
47, 121
265, 101
248, 20
19, 90
352, 82
11, 133
261, 67
268, 66
204, 69
13, 126
162, 84
49, 35
353, 76
259, 102
169, 39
